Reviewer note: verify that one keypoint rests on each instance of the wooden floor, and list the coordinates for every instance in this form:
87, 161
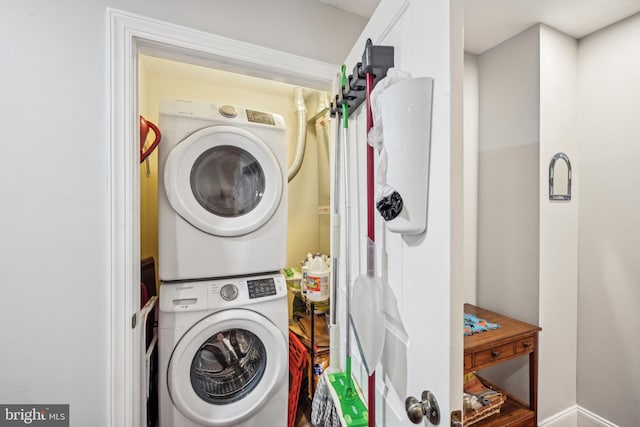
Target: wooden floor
303, 416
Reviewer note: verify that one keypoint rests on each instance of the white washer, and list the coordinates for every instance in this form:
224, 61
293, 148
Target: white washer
223, 353
222, 191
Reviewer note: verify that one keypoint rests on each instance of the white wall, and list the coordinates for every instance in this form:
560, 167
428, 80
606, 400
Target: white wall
508, 188
558, 287
55, 192
609, 260
508, 177
303, 27
528, 245
588, 259
470, 171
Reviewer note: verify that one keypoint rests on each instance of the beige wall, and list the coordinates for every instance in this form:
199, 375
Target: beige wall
609, 259
166, 79
148, 180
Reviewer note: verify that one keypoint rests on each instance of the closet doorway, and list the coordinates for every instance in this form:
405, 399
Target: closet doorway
131, 36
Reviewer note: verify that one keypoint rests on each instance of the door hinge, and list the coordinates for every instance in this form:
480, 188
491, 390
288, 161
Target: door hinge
456, 418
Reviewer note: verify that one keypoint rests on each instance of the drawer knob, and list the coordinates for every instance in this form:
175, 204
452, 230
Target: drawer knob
527, 344
495, 353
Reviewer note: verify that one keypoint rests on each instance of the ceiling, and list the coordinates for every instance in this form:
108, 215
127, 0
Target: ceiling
363, 8
490, 22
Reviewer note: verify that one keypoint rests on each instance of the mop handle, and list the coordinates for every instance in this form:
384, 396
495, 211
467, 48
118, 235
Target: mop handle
347, 225
334, 330
335, 221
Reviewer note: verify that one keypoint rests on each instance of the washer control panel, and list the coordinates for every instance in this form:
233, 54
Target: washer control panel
260, 288
221, 293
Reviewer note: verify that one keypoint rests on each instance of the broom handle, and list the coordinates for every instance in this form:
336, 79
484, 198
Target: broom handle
336, 220
334, 337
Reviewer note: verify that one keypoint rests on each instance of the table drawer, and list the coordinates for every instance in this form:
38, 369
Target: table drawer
525, 345
468, 361
493, 354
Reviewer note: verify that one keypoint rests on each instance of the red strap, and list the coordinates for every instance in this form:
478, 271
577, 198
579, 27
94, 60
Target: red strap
370, 180
371, 389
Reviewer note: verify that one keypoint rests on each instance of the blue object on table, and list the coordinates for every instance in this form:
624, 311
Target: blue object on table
473, 324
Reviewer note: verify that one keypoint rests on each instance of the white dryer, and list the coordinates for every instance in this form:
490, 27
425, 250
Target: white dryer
222, 191
223, 353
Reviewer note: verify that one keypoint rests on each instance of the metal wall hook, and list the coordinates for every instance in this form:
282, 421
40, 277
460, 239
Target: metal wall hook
417, 410
552, 167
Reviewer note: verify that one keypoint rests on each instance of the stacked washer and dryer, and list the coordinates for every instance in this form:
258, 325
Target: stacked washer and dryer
222, 213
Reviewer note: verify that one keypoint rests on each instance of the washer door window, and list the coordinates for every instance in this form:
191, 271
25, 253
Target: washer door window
223, 180
226, 366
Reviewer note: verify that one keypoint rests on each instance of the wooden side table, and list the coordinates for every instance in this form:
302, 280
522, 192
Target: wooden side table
511, 340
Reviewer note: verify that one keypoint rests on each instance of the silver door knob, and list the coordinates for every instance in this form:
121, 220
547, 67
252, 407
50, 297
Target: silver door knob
418, 409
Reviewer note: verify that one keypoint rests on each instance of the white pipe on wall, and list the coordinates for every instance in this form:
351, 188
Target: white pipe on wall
301, 139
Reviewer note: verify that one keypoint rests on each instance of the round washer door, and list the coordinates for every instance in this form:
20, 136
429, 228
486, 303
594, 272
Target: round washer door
226, 366
223, 180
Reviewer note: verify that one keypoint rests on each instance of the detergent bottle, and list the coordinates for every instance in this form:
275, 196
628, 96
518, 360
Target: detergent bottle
317, 283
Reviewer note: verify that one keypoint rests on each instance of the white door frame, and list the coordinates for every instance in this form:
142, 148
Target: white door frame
128, 36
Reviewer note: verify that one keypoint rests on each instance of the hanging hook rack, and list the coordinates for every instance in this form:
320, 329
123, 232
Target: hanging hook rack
375, 60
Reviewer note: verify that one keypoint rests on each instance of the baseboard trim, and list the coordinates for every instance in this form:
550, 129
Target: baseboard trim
595, 418
571, 416
561, 417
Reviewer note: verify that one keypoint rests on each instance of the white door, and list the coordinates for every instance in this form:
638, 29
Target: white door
423, 337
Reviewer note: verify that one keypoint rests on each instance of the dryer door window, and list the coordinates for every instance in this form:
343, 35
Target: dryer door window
224, 181
228, 366
227, 181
